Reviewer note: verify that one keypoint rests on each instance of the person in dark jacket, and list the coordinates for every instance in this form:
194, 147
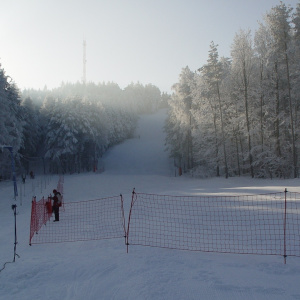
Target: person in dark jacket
56, 204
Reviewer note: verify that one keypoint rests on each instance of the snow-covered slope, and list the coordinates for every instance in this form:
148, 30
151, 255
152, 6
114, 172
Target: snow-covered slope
143, 154
103, 270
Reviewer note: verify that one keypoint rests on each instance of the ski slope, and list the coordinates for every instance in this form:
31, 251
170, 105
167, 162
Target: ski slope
103, 270
144, 154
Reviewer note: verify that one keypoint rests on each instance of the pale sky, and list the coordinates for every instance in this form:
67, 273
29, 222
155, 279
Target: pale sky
146, 41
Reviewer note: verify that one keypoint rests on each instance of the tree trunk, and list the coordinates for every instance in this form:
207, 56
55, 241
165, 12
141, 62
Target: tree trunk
261, 107
247, 119
217, 146
291, 115
277, 108
223, 134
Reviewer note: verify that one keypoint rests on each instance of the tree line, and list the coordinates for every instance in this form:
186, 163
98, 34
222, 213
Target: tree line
69, 128
240, 115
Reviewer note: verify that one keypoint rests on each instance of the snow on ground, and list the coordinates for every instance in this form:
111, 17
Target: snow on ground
103, 270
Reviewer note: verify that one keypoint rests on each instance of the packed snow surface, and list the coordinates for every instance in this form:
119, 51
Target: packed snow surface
103, 270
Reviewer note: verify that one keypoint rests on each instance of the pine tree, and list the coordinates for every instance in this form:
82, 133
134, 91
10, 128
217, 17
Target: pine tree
244, 81
213, 74
11, 126
182, 105
278, 22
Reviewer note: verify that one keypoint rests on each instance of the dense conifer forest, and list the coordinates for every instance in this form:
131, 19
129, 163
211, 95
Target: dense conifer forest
69, 128
240, 115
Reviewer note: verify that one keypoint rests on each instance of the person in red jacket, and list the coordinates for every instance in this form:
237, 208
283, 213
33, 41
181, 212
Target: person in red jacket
56, 204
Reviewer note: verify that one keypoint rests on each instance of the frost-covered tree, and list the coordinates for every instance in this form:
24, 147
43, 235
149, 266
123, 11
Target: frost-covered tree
142, 99
79, 130
213, 75
262, 42
278, 23
245, 111
10, 120
31, 132
295, 79
206, 130
243, 80
181, 142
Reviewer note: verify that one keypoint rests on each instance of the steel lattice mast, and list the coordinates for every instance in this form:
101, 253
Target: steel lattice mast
84, 62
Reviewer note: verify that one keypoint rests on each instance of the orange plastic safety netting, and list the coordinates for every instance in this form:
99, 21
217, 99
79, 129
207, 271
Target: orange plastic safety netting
255, 224
81, 221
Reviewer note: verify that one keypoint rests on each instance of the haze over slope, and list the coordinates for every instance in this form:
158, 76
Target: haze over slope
144, 154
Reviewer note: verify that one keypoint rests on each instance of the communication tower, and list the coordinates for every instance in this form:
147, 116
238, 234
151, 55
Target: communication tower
84, 62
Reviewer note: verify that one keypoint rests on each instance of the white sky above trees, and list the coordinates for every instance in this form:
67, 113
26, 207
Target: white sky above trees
149, 41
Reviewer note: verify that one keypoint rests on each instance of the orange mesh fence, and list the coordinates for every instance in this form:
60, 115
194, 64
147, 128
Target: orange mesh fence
41, 212
86, 220
255, 224
266, 224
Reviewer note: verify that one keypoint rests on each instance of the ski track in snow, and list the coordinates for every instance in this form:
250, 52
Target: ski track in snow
103, 270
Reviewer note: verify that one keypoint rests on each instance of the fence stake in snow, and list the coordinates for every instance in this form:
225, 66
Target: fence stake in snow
14, 208
284, 227
129, 217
